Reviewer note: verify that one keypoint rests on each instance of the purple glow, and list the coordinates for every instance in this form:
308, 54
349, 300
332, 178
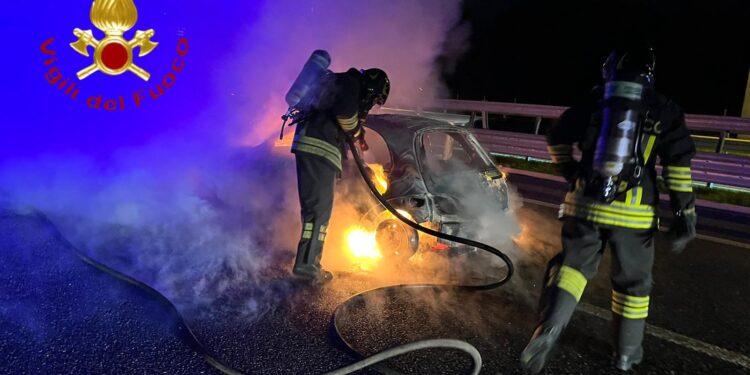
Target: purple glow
166, 167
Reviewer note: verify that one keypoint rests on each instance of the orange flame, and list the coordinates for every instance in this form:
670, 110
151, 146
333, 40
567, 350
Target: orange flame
380, 180
361, 247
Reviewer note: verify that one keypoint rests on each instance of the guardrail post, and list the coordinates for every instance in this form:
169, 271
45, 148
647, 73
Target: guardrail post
722, 140
472, 118
485, 120
537, 125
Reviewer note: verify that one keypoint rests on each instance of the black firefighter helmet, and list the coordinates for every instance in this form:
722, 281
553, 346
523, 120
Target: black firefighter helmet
633, 63
375, 87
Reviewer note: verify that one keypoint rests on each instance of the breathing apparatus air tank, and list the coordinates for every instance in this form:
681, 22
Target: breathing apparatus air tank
298, 97
315, 68
615, 152
629, 76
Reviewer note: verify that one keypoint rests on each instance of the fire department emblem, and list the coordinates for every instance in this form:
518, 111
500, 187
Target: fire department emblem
113, 55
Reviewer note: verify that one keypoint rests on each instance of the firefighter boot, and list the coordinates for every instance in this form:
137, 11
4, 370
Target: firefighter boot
321, 276
301, 268
307, 262
628, 338
312, 271
555, 317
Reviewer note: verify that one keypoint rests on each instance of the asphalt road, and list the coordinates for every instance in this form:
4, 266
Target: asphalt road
61, 316
698, 317
58, 315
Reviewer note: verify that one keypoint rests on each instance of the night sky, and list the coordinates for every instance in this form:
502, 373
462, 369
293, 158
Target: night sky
550, 51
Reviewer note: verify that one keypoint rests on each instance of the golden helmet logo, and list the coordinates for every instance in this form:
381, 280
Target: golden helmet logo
113, 55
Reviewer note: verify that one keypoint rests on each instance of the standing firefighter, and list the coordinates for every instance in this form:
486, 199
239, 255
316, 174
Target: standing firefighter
335, 109
612, 200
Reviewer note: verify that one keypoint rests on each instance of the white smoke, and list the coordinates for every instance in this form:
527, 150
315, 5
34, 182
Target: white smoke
203, 217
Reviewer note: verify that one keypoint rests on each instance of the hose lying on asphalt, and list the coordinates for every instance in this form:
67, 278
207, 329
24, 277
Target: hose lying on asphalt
184, 331
414, 346
423, 344
182, 328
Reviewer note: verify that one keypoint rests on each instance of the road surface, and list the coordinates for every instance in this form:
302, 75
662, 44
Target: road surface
58, 315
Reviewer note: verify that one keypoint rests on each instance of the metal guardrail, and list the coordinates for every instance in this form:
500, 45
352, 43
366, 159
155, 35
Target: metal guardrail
512, 109
719, 124
713, 170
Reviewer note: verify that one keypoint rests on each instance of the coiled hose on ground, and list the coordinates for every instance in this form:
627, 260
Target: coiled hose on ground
186, 333
423, 344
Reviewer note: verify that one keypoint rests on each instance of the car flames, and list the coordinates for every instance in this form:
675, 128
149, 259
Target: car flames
361, 245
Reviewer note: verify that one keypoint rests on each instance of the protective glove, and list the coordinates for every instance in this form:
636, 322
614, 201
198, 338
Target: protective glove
682, 230
569, 171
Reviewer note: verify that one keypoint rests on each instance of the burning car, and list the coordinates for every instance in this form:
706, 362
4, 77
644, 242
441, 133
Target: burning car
434, 173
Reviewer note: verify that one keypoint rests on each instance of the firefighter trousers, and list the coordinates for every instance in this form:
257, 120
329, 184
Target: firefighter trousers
632, 254
568, 273
315, 183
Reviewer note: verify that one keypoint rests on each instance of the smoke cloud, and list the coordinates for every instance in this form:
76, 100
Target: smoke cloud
452, 175
209, 206
404, 38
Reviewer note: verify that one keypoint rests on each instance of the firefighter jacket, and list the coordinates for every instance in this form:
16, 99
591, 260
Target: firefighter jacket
336, 109
664, 136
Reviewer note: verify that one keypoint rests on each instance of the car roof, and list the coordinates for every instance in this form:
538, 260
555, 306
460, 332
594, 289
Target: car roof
399, 131
403, 124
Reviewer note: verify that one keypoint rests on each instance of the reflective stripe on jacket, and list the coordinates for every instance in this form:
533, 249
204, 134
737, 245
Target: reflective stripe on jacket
664, 135
317, 147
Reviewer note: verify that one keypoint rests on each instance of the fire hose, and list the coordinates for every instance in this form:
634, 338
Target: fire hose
184, 331
362, 167
181, 328
422, 344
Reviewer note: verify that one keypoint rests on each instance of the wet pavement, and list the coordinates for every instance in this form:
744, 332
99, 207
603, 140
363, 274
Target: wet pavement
698, 321
58, 315
61, 316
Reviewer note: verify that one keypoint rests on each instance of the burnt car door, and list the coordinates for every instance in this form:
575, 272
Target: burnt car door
461, 179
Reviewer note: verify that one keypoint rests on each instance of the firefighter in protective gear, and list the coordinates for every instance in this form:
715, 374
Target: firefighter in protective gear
339, 111
627, 223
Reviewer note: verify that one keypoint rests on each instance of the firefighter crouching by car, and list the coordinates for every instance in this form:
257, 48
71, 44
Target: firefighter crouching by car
612, 200
339, 110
